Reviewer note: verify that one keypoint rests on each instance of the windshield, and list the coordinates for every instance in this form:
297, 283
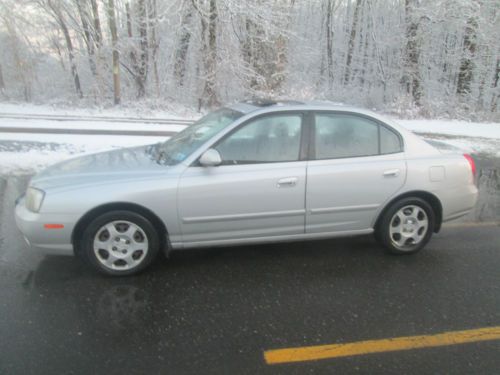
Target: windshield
184, 143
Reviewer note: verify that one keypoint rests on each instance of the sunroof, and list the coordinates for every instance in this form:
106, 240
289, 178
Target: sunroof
270, 102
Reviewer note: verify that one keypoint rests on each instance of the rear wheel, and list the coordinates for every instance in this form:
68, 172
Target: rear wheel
406, 226
120, 243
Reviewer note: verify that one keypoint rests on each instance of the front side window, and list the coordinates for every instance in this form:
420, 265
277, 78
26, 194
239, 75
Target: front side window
264, 140
343, 136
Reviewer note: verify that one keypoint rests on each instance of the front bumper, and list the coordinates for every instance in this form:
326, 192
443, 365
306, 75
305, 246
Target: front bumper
48, 241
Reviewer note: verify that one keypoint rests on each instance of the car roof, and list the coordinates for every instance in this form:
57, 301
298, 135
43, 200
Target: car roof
269, 105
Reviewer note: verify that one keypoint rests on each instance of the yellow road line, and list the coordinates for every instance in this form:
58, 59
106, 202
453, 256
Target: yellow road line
311, 353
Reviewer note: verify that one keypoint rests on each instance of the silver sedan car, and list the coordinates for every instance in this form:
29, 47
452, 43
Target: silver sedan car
249, 173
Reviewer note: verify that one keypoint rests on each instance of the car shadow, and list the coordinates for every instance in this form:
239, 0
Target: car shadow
332, 258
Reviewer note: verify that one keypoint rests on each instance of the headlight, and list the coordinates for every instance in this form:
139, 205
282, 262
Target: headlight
34, 199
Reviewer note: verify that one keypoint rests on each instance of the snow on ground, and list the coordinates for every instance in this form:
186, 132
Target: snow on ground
487, 146
453, 127
468, 136
119, 111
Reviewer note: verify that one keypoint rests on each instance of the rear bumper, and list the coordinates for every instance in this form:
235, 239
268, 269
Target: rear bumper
460, 203
47, 241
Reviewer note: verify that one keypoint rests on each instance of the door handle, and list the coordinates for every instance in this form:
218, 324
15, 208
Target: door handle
391, 173
287, 182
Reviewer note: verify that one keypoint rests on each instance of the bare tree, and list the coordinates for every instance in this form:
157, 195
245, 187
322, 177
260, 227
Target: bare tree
469, 49
143, 47
154, 44
252, 46
379, 54
55, 9
211, 56
116, 53
183, 44
23, 68
329, 28
2, 82
264, 48
139, 55
411, 78
352, 40
97, 32
132, 54
495, 87
208, 19
87, 35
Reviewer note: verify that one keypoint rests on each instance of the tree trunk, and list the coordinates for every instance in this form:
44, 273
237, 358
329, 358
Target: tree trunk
116, 53
183, 46
74, 70
139, 63
278, 77
469, 50
250, 52
154, 45
352, 39
209, 96
2, 82
411, 75
279, 74
496, 96
329, 42
365, 47
143, 47
87, 37
132, 54
97, 24
96, 33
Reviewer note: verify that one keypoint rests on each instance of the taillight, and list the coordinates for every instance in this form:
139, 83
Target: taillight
472, 164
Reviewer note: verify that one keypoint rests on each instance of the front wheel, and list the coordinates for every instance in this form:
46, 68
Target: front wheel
406, 226
120, 243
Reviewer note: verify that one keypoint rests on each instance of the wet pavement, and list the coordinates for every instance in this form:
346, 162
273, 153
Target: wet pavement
215, 311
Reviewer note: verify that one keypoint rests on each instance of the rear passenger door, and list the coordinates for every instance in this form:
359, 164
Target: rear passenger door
356, 164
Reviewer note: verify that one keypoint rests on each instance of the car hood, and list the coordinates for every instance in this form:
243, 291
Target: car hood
103, 167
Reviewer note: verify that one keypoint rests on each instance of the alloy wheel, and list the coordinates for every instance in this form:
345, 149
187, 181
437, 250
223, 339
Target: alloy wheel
408, 227
121, 245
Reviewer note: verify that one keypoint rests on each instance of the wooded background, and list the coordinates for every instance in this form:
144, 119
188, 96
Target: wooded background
412, 57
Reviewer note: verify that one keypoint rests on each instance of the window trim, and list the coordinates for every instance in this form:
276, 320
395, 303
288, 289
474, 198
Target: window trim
303, 137
312, 132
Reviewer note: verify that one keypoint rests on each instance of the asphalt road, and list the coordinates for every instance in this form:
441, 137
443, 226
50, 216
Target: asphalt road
216, 311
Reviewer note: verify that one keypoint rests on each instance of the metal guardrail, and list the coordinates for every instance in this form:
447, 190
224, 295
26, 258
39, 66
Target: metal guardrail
128, 132
96, 118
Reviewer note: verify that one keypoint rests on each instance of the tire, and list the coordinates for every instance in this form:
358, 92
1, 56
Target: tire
120, 243
406, 226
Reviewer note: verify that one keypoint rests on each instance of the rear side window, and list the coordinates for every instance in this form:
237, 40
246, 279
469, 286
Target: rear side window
343, 136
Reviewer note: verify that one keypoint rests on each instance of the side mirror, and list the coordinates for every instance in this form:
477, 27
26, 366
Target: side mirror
210, 158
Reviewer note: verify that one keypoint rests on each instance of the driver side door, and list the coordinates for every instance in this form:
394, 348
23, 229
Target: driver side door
258, 192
